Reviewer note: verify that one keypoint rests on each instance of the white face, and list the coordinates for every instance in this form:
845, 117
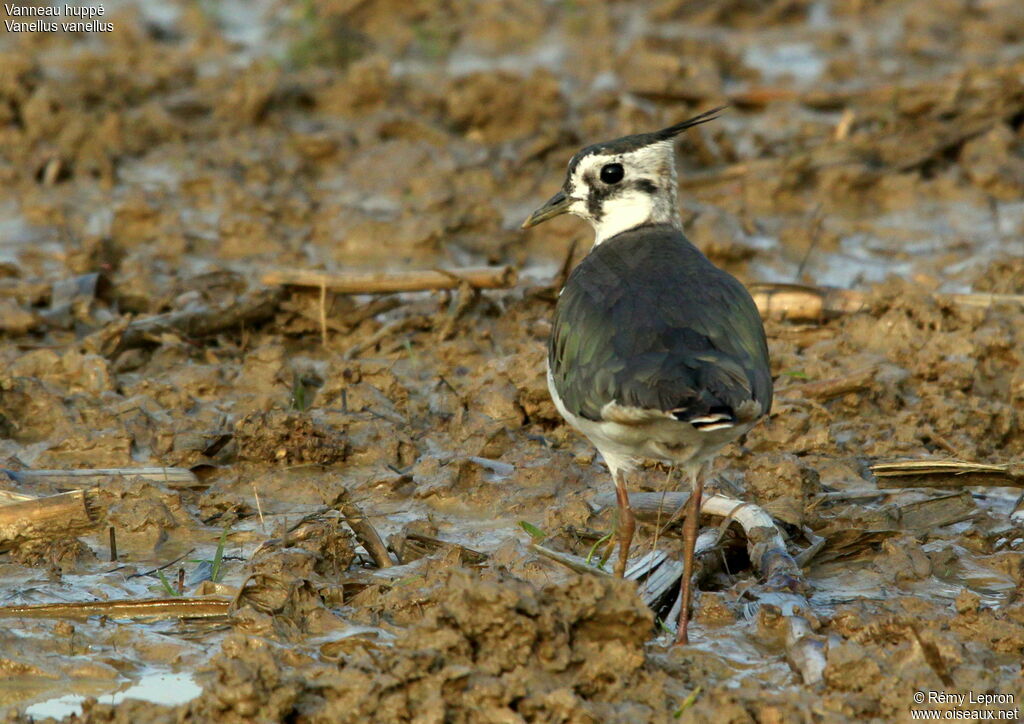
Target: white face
617, 192
629, 209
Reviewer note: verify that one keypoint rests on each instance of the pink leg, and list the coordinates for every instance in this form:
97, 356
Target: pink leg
627, 525
690, 528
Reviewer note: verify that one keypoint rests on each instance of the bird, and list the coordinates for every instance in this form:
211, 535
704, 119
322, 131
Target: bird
654, 353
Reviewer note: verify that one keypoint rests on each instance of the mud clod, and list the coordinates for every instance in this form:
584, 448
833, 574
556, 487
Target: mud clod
288, 438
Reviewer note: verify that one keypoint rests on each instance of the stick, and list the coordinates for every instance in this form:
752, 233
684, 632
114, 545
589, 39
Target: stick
88, 478
395, 326
366, 534
415, 546
946, 474
662, 573
833, 387
148, 608
198, 321
798, 302
983, 300
487, 277
164, 567
367, 311
573, 563
55, 516
929, 515
9, 496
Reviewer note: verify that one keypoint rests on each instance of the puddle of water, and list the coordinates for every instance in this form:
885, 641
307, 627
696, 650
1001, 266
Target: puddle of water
159, 688
550, 53
801, 61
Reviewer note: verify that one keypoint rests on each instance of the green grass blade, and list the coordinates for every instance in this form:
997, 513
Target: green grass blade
168, 588
218, 557
687, 702
593, 550
536, 533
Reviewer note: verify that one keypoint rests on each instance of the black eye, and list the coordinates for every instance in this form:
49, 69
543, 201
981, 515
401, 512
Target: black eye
612, 173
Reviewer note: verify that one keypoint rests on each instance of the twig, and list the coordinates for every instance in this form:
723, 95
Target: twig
833, 387
980, 299
817, 222
465, 297
198, 321
414, 545
842, 129
498, 277
165, 566
946, 474
92, 477
366, 534
154, 608
798, 302
8, 497
54, 516
377, 306
574, 563
395, 326
259, 507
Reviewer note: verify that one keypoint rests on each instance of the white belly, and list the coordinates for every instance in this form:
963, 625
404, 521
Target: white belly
658, 437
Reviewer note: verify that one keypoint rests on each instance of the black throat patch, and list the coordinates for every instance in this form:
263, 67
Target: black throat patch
601, 192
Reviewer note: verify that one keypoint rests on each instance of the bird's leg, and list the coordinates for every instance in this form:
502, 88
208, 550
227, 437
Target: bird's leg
690, 527
627, 524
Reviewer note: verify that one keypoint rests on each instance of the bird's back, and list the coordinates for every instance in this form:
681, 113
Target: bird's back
647, 321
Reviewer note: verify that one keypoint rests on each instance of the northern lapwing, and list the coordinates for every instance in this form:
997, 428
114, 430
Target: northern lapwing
654, 352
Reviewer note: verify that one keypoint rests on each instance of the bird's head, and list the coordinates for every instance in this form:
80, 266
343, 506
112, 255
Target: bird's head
621, 184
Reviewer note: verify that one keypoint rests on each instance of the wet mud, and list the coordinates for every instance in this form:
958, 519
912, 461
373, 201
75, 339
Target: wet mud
163, 168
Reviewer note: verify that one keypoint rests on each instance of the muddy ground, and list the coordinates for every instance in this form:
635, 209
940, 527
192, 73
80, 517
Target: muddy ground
873, 145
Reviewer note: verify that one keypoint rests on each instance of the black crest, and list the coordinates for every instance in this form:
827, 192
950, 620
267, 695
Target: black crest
639, 140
